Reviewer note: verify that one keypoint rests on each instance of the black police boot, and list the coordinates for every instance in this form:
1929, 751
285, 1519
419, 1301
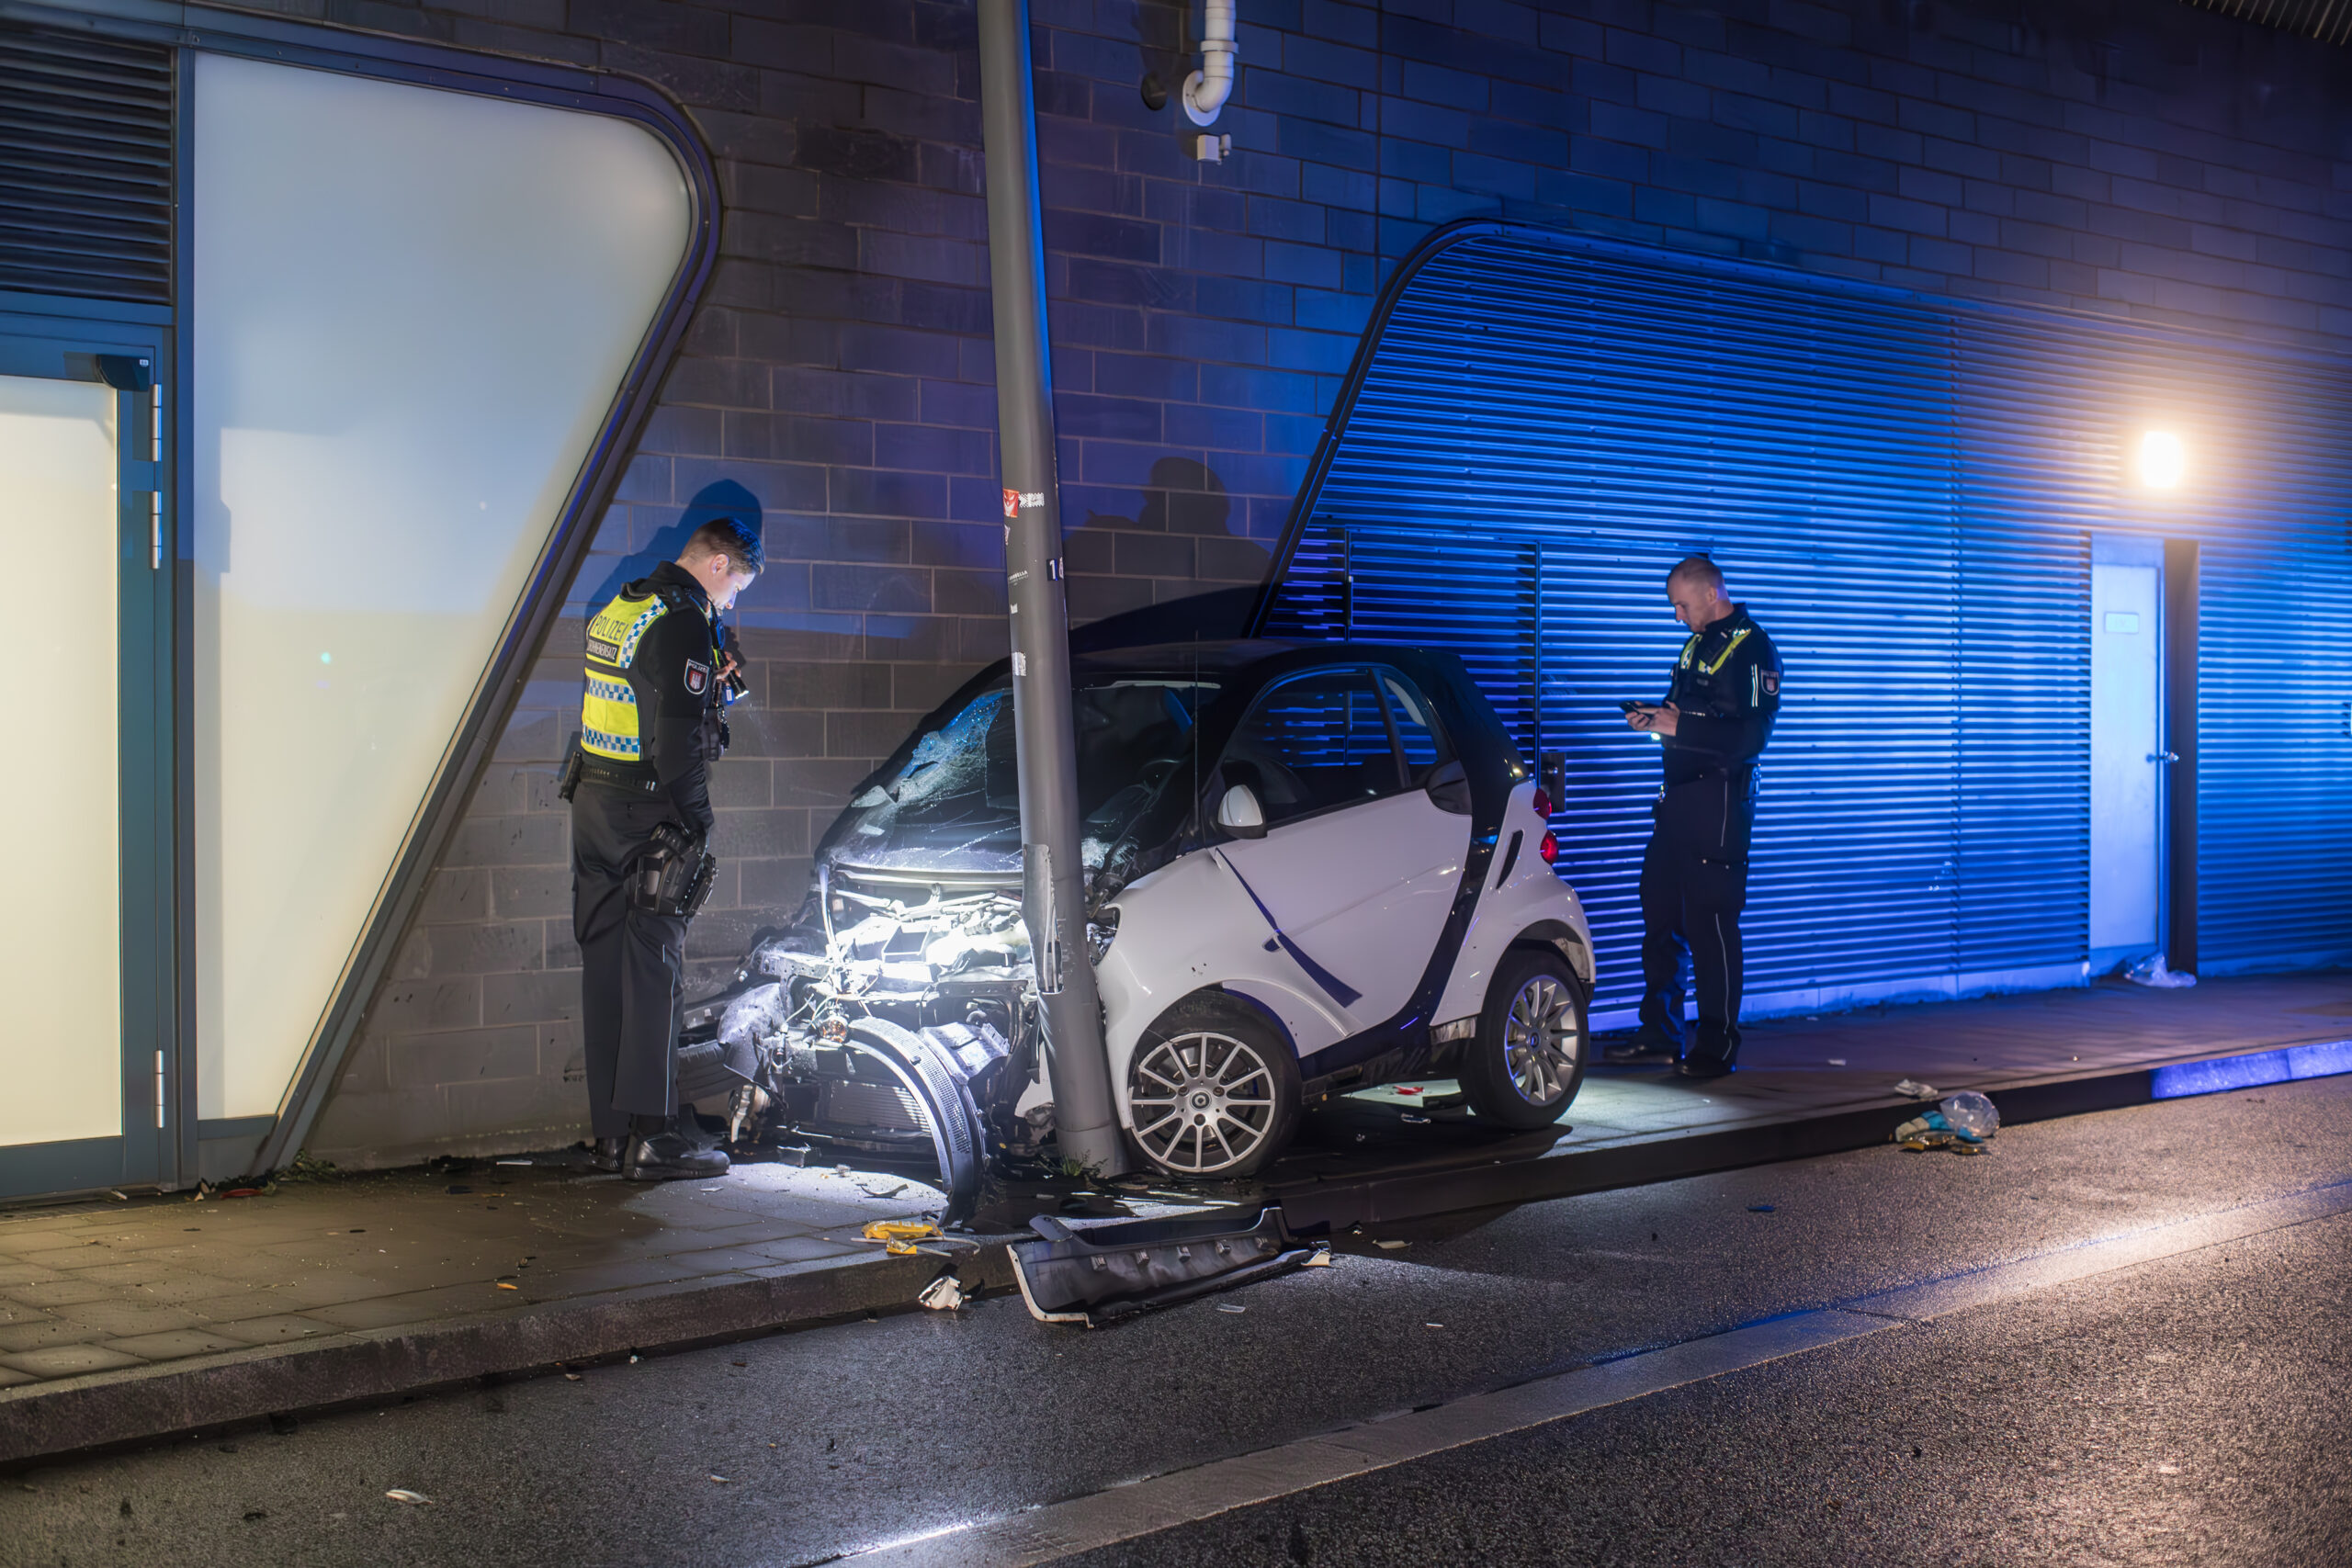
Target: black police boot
1648, 1045
605, 1154
670, 1156
1704, 1068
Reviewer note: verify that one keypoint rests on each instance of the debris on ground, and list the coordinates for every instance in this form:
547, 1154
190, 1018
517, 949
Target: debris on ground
1391, 1246
1962, 1124
943, 1294
2150, 972
414, 1499
1231, 1306
1760, 1208
1106, 1272
1912, 1088
898, 1236
1322, 1258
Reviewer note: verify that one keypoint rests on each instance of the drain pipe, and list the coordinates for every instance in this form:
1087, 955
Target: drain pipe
1206, 89
1053, 893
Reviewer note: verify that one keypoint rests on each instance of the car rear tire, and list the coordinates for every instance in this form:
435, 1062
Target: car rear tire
1526, 1060
1213, 1090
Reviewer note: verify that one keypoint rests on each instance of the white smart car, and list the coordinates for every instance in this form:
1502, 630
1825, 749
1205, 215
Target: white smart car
1312, 869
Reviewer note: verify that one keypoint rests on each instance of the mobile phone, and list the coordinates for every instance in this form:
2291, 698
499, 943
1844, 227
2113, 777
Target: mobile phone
1633, 704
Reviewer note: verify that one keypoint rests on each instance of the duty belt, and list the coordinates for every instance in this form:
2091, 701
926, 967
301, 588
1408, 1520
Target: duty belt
620, 776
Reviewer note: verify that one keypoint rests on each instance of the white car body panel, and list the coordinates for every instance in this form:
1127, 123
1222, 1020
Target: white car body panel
1186, 927
1534, 895
1363, 893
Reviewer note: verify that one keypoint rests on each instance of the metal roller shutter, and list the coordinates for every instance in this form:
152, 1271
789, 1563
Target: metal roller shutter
86, 165
1903, 493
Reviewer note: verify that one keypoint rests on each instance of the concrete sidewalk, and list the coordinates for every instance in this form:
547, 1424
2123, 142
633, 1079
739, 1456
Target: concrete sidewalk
123, 1320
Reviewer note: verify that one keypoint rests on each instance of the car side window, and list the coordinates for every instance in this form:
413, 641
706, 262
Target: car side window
1418, 734
1313, 743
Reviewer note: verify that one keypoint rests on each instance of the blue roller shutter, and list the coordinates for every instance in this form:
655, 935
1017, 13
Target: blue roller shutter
1903, 492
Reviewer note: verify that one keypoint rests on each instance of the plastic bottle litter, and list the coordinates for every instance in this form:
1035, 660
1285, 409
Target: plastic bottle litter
1971, 1115
2152, 971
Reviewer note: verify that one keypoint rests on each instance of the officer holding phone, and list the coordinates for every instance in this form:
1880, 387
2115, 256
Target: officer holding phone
660, 668
1715, 722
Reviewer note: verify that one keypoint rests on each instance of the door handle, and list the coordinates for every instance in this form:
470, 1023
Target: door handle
2165, 757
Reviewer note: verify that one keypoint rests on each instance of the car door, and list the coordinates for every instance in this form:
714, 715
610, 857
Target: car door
1356, 871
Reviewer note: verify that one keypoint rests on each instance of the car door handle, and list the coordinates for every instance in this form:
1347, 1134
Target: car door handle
2165, 757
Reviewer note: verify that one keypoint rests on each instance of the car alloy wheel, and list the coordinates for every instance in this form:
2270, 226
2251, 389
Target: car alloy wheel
1543, 1040
1526, 1060
1204, 1103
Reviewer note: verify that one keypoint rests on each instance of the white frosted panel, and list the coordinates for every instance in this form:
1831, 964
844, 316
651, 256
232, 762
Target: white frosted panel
60, 925
411, 310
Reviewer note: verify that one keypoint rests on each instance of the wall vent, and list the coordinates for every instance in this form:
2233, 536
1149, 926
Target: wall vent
86, 165
2327, 20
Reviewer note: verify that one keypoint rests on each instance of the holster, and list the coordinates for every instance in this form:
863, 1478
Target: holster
567, 780
674, 874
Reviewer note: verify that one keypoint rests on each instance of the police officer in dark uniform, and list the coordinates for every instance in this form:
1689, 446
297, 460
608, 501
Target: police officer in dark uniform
661, 669
1714, 724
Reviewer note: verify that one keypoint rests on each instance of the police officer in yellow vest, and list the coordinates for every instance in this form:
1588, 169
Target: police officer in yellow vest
1716, 718
659, 672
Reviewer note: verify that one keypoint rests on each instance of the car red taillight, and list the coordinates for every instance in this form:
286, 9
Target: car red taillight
1543, 805
1549, 848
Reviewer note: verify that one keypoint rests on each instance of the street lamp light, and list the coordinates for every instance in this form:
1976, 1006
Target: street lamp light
2163, 460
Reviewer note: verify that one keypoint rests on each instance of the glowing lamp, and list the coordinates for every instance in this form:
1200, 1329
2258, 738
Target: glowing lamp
2163, 460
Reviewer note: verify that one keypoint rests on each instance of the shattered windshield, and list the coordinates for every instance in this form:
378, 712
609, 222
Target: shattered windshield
954, 804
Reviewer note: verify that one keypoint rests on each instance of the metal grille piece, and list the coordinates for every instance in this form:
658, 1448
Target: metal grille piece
86, 165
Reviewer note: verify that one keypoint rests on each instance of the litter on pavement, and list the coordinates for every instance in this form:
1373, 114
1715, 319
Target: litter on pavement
1912, 1088
414, 1499
2152, 971
943, 1294
1962, 1124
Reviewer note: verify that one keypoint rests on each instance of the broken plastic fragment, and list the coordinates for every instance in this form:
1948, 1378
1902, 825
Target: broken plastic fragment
722, 1479
1322, 1258
943, 1294
1912, 1088
1231, 1306
415, 1500
1389, 1246
896, 1233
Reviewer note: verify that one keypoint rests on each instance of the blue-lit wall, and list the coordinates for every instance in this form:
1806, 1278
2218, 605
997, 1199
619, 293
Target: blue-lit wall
1909, 493
2146, 161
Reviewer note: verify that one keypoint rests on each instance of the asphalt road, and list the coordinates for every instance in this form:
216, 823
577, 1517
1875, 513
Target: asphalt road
2186, 1409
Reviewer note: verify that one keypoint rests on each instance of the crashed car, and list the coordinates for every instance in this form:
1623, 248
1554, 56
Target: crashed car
1311, 870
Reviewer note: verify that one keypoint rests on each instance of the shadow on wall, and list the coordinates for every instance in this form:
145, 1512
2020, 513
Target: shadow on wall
721, 498
1179, 545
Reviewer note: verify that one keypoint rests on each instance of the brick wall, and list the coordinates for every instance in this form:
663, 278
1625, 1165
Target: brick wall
2145, 160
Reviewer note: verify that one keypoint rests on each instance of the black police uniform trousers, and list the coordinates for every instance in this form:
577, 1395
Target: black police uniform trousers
1694, 885
632, 961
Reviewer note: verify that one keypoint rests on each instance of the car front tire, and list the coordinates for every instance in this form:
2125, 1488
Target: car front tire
1527, 1061
1213, 1090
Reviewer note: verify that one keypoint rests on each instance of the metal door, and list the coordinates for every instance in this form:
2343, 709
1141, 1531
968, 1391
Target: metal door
86, 931
2127, 756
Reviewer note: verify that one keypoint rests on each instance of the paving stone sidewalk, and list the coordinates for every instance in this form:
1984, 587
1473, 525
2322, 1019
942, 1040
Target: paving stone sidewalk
341, 1287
